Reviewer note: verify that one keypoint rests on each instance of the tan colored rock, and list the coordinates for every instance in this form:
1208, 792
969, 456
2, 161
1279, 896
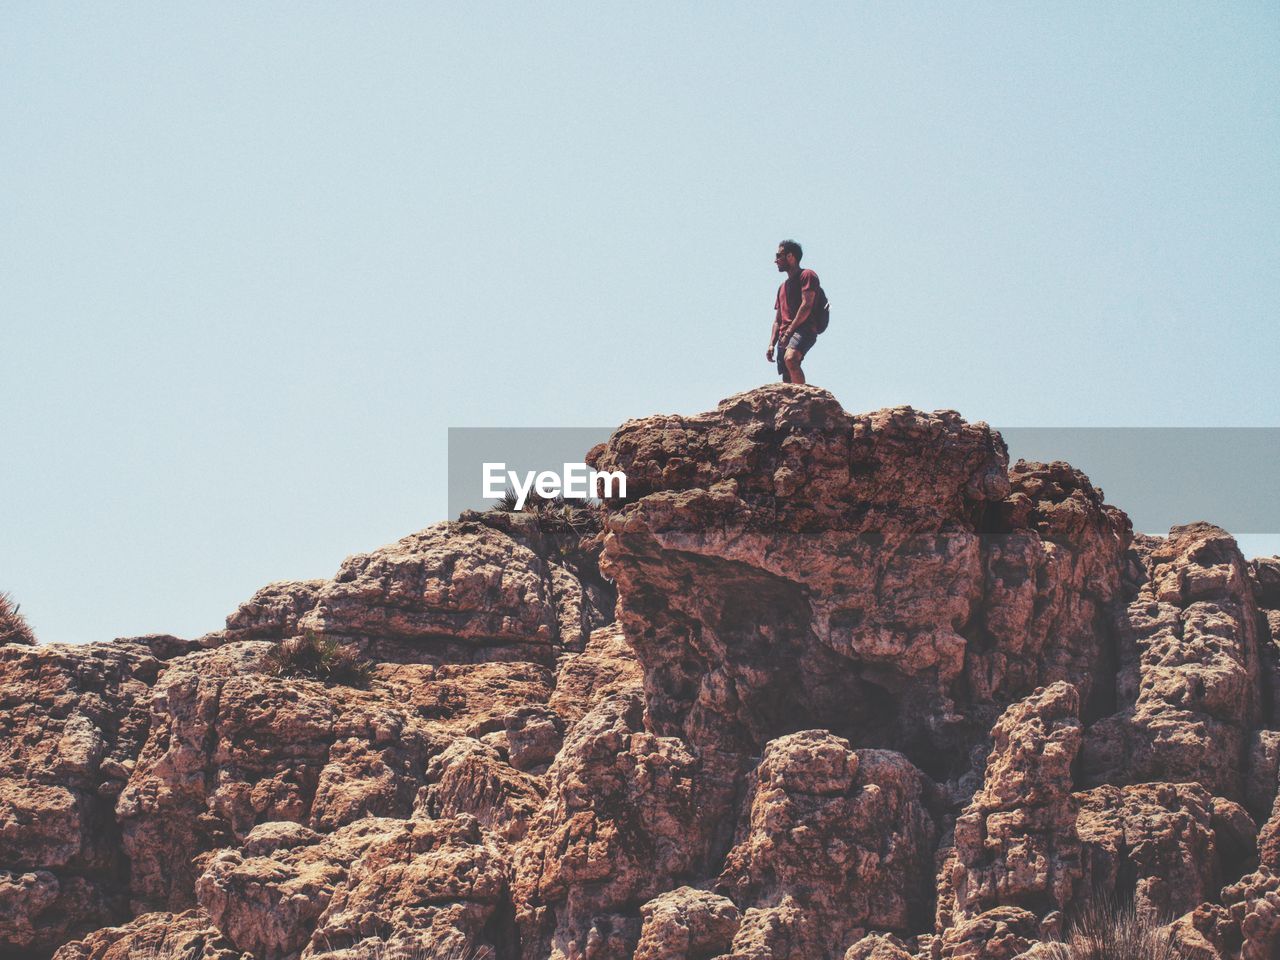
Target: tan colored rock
521, 774
878, 946
1253, 905
491, 586
842, 835
1053, 563
749, 608
785, 931
686, 923
1168, 839
1001, 933
469, 699
273, 612
154, 936
1206, 933
72, 720
408, 882
626, 813
1016, 843
1189, 672
440, 885
231, 748
469, 777
783, 563
607, 666
266, 895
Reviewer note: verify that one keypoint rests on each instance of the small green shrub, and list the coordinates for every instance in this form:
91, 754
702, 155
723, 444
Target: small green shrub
319, 658
13, 625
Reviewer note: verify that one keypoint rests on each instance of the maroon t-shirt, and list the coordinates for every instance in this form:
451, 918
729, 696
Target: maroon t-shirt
791, 292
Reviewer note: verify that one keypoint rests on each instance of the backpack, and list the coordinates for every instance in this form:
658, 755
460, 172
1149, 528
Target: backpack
821, 311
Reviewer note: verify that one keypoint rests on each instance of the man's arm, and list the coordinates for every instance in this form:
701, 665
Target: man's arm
773, 334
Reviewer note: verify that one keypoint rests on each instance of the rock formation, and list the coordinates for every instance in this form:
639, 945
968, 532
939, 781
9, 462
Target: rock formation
826, 686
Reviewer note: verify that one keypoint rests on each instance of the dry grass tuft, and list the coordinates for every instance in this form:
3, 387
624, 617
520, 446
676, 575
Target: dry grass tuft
554, 514
393, 950
13, 625
318, 658
1105, 928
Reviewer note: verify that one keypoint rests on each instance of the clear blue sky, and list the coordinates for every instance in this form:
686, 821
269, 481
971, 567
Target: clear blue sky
256, 258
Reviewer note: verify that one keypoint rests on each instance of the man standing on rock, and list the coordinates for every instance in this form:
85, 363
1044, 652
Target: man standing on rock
801, 312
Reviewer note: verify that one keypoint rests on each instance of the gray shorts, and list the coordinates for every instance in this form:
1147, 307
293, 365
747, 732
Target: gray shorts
801, 340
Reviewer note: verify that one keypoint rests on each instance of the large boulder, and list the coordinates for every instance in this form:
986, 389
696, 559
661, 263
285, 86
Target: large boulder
1189, 675
627, 813
1167, 847
842, 836
72, 723
231, 747
490, 586
375, 883
782, 564
1016, 844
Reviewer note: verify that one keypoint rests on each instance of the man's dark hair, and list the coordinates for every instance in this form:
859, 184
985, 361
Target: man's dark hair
790, 246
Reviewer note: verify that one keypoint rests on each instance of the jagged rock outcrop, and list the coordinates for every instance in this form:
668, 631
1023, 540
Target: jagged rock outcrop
872, 694
785, 565
72, 722
1189, 678
1165, 845
231, 748
842, 836
1016, 843
377, 882
878, 947
686, 923
488, 587
607, 666
1001, 933
155, 936
628, 814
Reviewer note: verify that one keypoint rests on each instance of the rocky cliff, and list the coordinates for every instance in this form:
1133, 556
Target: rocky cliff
825, 687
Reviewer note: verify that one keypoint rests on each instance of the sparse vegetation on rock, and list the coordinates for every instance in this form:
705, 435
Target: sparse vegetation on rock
1104, 927
13, 625
319, 658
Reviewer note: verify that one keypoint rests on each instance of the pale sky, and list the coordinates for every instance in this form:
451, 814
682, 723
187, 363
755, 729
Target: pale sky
258, 258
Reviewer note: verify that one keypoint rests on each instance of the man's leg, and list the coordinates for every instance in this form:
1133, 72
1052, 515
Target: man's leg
792, 359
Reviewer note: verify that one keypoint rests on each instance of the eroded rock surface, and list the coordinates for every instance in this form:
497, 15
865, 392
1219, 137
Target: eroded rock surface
872, 694
627, 814
789, 565
685, 923
155, 936
72, 722
842, 835
435, 884
488, 587
1016, 843
1189, 669
1165, 845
